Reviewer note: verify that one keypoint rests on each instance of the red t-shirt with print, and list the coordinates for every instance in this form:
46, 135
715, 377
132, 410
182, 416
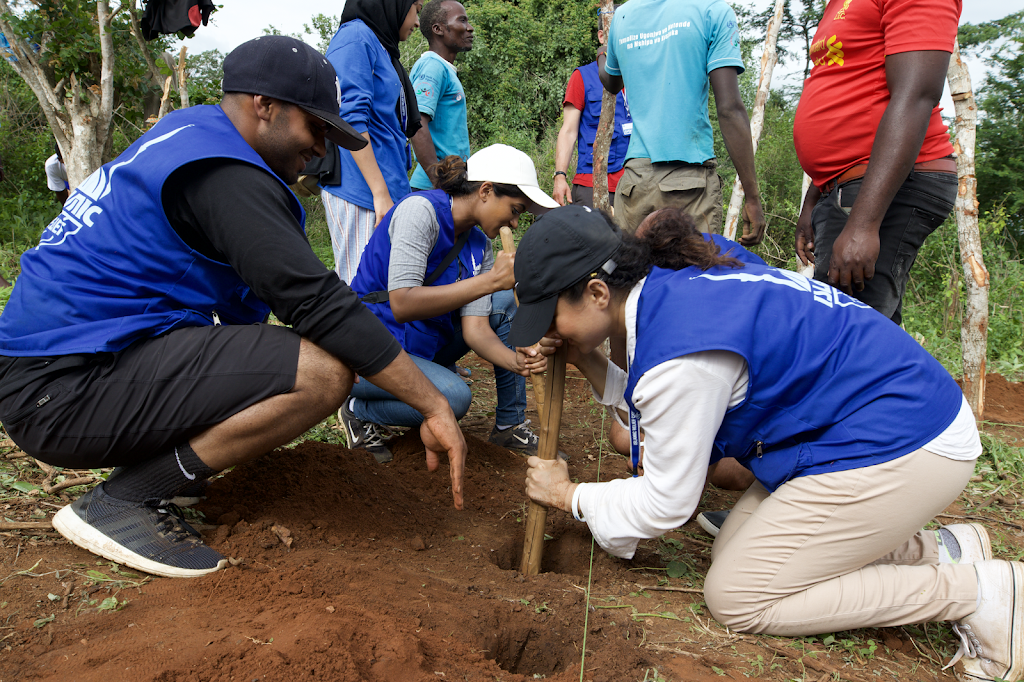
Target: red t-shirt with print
845, 95
576, 95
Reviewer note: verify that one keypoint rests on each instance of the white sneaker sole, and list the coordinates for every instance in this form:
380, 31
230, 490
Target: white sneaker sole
974, 542
71, 526
709, 528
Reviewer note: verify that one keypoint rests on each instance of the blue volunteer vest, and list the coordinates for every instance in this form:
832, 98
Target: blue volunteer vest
589, 118
422, 338
728, 247
110, 269
833, 385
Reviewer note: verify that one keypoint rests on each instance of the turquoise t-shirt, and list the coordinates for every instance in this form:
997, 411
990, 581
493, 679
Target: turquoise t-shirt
440, 96
664, 51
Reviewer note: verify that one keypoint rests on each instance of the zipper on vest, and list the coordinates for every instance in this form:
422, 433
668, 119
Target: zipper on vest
216, 319
759, 448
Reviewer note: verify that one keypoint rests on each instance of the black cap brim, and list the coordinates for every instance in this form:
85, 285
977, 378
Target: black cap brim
532, 322
338, 132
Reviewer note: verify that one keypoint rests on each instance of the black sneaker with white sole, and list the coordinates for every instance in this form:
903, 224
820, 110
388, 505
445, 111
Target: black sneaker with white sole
712, 522
520, 438
150, 538
366, 435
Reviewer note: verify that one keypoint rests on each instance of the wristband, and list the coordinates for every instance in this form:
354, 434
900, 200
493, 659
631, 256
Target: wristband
562, 173
575, 503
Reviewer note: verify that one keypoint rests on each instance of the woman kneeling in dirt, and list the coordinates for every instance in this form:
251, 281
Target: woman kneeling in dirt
429, 274
857, 437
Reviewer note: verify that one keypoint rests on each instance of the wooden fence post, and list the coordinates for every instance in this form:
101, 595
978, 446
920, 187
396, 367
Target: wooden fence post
974, 325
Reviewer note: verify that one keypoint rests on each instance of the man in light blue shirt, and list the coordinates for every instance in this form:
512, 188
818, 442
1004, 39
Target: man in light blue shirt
666, 52
439, 93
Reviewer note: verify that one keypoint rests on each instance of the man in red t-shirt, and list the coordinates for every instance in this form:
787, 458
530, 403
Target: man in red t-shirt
869, 134
581, 110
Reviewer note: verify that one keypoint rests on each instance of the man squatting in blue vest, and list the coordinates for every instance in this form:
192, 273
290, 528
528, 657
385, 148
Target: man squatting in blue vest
136, 335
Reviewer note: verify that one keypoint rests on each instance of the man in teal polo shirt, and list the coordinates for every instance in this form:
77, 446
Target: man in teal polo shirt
665, 52
439, 93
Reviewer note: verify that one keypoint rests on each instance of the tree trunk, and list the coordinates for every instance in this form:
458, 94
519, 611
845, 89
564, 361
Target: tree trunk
181, 78
605, 126
805, 270
974, 325
81, 120
768, 60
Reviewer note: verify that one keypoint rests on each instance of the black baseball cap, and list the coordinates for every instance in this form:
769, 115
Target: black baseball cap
288, 69
562, 247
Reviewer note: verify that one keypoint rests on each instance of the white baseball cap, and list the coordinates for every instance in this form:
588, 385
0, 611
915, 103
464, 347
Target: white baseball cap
509, 166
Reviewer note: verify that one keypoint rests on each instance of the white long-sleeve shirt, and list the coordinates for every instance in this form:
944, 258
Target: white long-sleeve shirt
683, 402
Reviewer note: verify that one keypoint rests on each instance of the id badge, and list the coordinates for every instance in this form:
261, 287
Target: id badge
627, 128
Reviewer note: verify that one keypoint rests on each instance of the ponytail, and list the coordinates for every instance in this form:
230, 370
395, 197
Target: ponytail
453, 177
668, 239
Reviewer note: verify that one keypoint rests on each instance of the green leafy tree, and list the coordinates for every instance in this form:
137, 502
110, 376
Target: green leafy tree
1000, 141
82, 62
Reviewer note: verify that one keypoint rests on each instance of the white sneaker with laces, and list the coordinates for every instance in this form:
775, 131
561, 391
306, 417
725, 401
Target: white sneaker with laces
992, 638
973, 542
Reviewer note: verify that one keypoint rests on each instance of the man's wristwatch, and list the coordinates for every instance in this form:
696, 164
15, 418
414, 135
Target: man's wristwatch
557, 173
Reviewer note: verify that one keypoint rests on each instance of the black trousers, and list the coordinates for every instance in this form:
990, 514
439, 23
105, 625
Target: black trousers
921, 204
123, 408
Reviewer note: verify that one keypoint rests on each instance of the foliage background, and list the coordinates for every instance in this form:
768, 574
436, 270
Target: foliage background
515, 78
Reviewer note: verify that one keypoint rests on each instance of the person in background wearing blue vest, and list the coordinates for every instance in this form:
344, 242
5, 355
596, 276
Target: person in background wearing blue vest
665, 53
378, 100
431, 276
856, 435
439, 93
136, 335
581, 111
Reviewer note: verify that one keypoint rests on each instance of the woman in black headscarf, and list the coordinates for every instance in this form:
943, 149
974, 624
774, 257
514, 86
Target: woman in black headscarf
377, 99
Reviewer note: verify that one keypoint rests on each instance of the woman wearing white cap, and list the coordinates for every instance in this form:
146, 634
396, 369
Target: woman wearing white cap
429, 273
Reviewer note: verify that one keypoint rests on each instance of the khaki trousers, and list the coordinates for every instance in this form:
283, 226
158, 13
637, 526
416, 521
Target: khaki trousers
840, 551
645, 187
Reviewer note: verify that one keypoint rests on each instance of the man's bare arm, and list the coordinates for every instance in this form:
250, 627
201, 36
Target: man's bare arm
915, 81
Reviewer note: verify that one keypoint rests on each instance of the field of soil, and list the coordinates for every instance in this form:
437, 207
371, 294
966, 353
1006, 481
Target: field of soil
351, 570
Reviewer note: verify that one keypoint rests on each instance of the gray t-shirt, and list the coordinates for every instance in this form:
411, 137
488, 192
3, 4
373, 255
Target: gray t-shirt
413, 231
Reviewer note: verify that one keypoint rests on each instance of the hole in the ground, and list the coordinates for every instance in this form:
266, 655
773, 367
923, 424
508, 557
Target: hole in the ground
524, 650
568, 552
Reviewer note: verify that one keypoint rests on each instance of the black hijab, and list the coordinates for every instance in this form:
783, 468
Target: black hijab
385, 19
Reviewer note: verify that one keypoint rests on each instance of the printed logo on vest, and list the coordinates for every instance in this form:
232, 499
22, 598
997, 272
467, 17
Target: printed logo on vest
822, 293
80, 209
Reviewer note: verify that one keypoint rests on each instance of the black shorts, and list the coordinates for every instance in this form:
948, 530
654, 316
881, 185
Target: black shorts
126, 407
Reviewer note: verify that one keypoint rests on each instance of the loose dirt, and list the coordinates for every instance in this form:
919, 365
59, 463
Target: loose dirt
385, 580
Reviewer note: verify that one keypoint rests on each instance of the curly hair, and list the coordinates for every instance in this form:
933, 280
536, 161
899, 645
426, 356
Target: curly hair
670, 241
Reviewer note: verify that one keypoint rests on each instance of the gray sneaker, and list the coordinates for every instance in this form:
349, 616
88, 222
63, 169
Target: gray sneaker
365, 435
151, 538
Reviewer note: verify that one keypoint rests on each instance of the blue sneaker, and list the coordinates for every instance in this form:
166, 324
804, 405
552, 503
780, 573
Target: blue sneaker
711, 521
150, 538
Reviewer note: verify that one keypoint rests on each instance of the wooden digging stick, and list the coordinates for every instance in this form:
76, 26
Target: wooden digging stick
554, 380
508, 245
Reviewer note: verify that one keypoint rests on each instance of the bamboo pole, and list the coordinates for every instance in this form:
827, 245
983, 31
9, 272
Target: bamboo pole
605, 125
768, 60
974, 325
554, 380
508, 245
